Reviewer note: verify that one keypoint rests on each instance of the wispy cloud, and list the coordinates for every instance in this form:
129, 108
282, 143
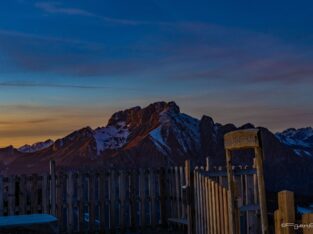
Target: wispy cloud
56, 8
24, 84
30, 121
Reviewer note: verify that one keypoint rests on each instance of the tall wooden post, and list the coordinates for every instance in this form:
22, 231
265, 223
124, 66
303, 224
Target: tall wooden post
261, 188
287, 211
307, 220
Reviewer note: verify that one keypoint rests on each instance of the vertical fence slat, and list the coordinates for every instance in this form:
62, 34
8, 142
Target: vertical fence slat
70, 194
122, 186
225, 208
1, 195
80, 199
52, 188
112, 200
133, 202
11, 195
23, 195
214, 208
44, 193
34, 194
102, 201
142, 194
153, 198
91, 202
182, 182
177, 192
60, 193
196, 200
162, 192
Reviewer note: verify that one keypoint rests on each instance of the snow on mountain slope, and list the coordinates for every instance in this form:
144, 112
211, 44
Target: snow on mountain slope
111, 137
183, 128
300, 140
35, 147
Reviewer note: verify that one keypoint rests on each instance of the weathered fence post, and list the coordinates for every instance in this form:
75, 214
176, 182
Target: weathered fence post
286, 210
277, 220
307, 221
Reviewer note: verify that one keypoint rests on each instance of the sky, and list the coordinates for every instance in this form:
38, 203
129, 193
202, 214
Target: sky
69, 64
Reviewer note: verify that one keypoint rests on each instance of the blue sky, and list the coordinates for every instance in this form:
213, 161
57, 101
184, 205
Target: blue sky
68, 64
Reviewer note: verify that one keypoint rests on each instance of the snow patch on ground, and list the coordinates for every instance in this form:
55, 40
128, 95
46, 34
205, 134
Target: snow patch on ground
111, 137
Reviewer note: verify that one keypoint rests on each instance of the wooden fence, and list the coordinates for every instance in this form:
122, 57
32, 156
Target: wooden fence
119, 200
107, 200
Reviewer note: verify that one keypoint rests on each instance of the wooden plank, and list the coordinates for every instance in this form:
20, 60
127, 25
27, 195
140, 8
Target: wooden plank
23, 195
133, 200
189, 199
225, 211
261, 189
196, 201
92, 201
153, 197
112, 201
70, 209
241, 139
177, 192
52, 188
60, 200
80, 199
250, 215
162, 192
34, 194
211, 207
102, 200
122, 193
1, 196
11, 195
207, 204
221, 208
142, 195
236, 172
44, 193
287, 209
172, 192
307, 220
277, 222
182, 183
201, 204
215, 209
231, 197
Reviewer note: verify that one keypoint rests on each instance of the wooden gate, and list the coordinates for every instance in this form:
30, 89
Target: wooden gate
211, 205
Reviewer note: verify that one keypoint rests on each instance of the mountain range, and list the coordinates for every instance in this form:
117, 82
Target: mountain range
160, 135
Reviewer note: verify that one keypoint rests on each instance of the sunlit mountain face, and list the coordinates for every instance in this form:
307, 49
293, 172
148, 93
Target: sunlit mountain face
69, 64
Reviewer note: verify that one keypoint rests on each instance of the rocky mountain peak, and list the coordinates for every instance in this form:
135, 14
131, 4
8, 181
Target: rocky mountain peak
137, 116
